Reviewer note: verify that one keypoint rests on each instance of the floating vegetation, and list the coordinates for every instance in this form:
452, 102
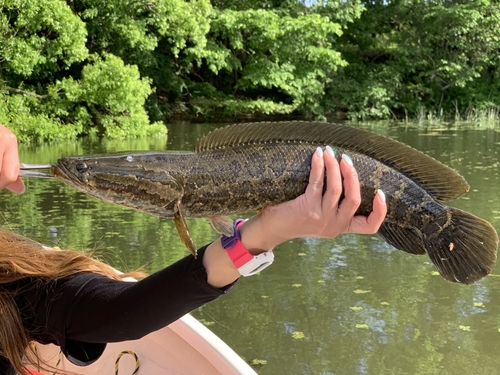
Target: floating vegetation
361, 291
258, 362
356, 308
362, 326
206, 322
297, 335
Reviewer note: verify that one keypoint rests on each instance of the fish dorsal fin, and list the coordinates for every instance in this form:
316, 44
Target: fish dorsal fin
437, 179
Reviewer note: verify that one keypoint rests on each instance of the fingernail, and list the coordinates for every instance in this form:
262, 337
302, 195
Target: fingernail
319, 152
330, 150
347, 159
382, 195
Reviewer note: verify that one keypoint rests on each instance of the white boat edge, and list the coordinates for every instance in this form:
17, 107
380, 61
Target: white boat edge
211, 346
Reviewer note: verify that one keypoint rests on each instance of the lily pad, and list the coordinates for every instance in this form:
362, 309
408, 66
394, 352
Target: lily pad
258, 362
362, 326
206, 322
361, 291
297, 335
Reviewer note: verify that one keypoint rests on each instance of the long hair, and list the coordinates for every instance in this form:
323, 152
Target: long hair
21, 258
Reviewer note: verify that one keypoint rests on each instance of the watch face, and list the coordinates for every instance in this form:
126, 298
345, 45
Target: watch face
257, 264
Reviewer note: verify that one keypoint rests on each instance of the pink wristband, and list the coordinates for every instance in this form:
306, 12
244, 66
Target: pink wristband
238, 254
246, 263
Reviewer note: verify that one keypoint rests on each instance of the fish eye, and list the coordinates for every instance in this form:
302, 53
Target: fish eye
81, 168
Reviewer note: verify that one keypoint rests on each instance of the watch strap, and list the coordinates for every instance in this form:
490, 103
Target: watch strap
246, 263
238, 254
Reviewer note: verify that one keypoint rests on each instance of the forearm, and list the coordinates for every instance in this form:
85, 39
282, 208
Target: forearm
105, 310
220, 269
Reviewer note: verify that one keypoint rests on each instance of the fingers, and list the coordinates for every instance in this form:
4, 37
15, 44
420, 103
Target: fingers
333, 181
314, 214
370, 224
345, 218
17, 186
9, 162
316, 176
352, 189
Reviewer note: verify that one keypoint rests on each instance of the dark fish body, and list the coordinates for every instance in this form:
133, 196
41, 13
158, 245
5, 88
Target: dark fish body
249, 166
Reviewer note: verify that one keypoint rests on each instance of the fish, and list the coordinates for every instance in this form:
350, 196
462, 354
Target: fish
245, 167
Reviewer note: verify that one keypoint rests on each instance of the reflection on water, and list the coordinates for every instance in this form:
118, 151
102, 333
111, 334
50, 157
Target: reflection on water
349, 306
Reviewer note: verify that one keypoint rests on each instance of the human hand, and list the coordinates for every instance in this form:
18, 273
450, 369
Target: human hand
9, 162
314, 214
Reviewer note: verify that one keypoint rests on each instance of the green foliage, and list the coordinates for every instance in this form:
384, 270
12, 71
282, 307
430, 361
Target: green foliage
110, 95
24, 116
112, 67
52, 88
39, 37
441, 55
268, 54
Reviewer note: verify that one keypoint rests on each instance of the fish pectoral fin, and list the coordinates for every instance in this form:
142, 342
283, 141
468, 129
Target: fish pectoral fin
222, 224
408, 239
182, 229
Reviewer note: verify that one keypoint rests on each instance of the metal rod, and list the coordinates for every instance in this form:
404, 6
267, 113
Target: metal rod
24, 173
27, 173
35, 166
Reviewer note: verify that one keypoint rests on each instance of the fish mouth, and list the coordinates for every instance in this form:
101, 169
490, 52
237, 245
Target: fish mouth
62, 172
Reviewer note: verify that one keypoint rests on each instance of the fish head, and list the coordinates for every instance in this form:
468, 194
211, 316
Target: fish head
127, 180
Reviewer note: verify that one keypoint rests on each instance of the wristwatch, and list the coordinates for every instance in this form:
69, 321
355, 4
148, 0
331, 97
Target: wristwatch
246, 263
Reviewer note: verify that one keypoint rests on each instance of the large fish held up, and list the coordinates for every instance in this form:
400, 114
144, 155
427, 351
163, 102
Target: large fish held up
245, 167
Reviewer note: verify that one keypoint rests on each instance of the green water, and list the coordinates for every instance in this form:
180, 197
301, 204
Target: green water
353, 305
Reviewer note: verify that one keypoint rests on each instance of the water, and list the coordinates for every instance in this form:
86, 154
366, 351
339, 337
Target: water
353, 305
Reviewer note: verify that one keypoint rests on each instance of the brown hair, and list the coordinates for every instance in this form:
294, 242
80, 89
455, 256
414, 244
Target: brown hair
21, 258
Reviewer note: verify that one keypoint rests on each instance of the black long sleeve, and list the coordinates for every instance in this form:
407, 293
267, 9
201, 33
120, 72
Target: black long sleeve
83, 312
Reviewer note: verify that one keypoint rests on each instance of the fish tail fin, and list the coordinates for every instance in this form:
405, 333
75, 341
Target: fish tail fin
464, 248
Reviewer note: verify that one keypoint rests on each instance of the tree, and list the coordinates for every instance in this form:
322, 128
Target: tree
407, 55
43, 54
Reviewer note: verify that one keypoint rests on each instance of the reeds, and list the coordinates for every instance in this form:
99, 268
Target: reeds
487, 117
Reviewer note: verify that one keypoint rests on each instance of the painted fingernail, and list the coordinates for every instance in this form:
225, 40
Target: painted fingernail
319, 152
347, 159
330, 150
382, 195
